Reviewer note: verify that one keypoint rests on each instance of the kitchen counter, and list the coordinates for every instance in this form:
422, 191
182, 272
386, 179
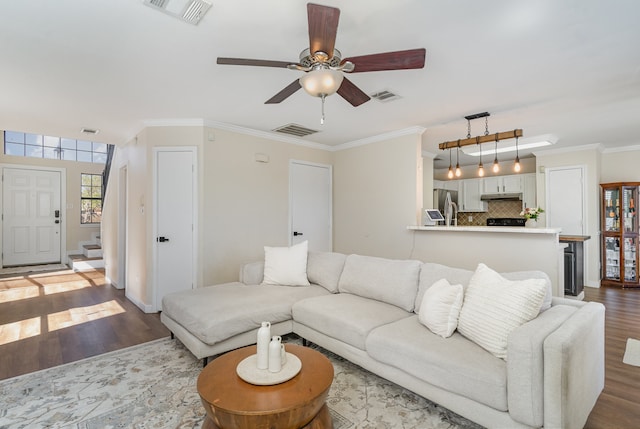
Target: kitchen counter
492, 229
502, 248
569, 238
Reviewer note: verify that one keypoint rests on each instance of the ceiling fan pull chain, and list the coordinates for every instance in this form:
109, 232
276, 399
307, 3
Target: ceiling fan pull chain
322, 117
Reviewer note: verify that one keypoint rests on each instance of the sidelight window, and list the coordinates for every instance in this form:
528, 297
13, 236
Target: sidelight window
91, 198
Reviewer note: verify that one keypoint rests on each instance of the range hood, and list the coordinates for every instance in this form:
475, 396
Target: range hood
511, 196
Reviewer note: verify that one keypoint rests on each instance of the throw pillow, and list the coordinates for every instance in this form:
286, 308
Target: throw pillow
286, 266
494, 306
440, 307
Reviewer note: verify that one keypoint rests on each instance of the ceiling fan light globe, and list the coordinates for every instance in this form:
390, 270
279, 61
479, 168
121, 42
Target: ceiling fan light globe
321, 81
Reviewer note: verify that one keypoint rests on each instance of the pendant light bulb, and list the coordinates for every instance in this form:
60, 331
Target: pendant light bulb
480, 166
480, 170
516, 167
458, 170
450, 173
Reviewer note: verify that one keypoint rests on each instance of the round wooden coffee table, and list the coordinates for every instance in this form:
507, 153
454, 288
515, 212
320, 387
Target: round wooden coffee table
232, 403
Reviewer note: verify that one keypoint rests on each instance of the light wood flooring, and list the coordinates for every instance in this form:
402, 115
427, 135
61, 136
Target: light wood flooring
47, 319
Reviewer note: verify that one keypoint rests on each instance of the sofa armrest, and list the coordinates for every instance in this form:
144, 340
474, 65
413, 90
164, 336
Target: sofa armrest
525, 364
574, 368
251, 273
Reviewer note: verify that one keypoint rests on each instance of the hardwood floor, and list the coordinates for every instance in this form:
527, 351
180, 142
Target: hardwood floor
47, 319
619, 403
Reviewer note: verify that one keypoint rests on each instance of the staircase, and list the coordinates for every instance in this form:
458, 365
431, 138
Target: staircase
90, 259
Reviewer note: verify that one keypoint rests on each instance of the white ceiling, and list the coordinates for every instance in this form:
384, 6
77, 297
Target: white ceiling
568, 68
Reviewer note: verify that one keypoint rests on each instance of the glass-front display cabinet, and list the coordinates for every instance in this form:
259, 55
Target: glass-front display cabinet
619, 225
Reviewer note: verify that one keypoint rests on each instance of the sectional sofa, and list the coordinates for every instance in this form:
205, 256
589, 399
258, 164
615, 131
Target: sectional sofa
495, 348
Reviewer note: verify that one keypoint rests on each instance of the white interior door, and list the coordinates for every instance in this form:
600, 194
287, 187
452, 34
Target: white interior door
31, 226
565, 200
310, 196
175, 221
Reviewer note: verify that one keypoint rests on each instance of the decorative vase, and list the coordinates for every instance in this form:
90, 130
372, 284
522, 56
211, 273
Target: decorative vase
264, 336
275, 350
531, 223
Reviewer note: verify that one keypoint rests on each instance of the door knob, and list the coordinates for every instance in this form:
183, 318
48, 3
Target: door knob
296, 233
161, 239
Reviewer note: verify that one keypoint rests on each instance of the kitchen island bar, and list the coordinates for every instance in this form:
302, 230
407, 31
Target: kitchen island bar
503, 249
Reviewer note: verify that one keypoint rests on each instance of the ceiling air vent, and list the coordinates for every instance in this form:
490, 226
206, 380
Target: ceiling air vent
385, 96
190, 11
295, 130
89, 131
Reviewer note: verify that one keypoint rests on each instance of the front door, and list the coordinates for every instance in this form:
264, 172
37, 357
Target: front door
175, 219
310, 205
31, 216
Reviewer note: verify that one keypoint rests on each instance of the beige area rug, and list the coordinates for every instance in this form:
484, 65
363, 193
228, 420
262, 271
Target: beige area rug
632, 352
153, 385
32, 269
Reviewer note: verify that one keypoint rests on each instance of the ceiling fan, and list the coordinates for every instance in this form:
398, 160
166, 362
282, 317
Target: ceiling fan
323, 63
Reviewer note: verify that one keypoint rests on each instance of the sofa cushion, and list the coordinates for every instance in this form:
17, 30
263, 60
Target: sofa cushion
454, 364
324, 268
392, 281
440, 307
286, 266
215, 313
494, 306
431, 273
345, 317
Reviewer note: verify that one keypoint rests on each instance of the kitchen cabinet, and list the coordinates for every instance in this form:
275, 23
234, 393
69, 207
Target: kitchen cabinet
619, 232
503, 184
449, 185
529, 190
469, 196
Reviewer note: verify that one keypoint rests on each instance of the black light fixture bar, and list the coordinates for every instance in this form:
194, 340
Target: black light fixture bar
477, 116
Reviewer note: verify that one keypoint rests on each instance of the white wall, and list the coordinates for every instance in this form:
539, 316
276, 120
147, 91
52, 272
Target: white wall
621, 165
377, 194
246, 203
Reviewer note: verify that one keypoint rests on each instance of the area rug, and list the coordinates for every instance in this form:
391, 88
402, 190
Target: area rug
153, 385
632, 352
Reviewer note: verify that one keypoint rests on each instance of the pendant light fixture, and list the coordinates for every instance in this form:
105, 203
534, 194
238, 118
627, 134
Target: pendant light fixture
450, 173
516, 166
458, 170
496, 164
480, 166
479, 140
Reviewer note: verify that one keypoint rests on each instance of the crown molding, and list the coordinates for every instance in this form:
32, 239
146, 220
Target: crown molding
270, 135
618, 149
380, 137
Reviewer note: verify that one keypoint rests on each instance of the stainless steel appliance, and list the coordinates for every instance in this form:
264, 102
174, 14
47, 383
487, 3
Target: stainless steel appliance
440, 196
505, 221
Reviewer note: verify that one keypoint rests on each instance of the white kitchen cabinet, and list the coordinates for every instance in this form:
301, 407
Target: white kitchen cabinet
469, 196
503, 184
529, 190
449, 185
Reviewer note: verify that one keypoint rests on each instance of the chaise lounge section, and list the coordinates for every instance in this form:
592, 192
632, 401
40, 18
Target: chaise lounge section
372, 312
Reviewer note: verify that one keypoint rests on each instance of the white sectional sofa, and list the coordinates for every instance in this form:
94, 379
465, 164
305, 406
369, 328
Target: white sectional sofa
367, 310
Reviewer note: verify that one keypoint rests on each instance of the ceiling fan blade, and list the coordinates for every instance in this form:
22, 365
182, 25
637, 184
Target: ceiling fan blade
250, 62
350, 92
323, 27
398, 60
285, 93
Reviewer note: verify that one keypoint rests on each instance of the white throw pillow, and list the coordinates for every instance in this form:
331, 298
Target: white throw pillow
440, 307
494, 306
286, 266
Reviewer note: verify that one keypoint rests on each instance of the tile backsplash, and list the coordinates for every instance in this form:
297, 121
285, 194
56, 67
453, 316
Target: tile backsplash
496, 209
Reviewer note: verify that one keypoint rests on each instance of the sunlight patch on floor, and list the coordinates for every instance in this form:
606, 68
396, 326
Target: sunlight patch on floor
16, 294
78, 315
20, 330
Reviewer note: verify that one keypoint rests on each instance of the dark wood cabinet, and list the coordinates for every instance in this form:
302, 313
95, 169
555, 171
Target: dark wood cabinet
619, 232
